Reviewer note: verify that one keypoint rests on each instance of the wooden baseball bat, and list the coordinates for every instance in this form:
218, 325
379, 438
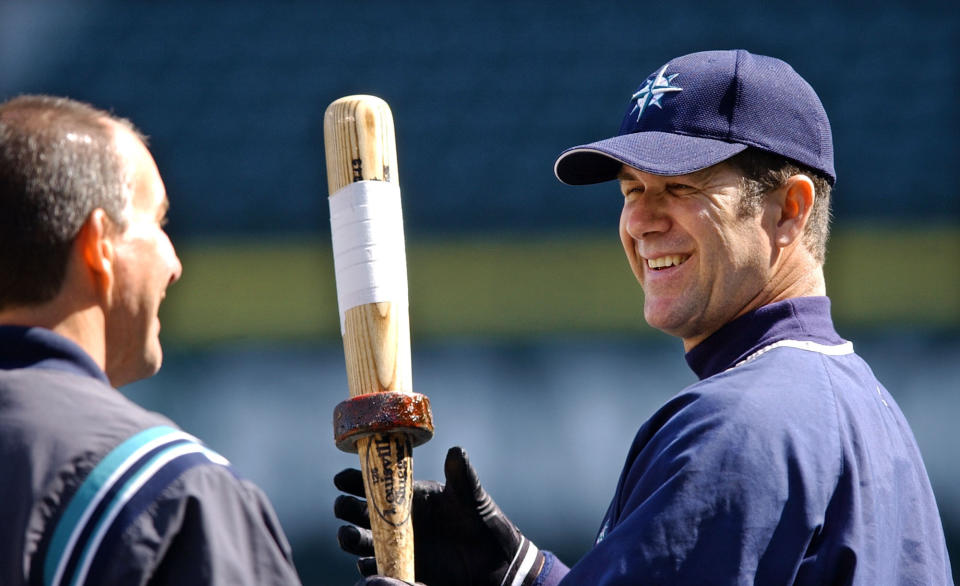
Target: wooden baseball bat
361, 147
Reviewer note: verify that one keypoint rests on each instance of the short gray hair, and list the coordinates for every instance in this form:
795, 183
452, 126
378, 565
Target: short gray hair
58, 163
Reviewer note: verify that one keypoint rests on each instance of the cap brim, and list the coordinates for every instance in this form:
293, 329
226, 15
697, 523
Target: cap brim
660, 153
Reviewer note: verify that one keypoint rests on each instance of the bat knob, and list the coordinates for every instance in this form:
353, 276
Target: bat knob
384, 412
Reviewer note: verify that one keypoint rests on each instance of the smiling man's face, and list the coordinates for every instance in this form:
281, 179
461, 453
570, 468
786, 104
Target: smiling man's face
700, 261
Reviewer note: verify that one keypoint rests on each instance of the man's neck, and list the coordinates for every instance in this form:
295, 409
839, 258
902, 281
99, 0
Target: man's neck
796, 280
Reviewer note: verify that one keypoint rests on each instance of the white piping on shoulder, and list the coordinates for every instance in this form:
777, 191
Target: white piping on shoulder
836, 350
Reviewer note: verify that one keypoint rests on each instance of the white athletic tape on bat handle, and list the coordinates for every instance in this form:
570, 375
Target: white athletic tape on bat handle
366, 224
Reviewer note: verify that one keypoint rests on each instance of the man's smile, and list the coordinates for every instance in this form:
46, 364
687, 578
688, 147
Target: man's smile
666, 261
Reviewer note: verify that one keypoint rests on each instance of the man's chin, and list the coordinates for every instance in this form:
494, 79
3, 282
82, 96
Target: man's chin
144, 368
153, 361
665, 319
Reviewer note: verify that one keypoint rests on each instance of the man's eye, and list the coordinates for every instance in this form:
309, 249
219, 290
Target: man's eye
164, 221
680, 188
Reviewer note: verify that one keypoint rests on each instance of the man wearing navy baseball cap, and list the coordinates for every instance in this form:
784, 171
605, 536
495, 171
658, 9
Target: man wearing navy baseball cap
787, 462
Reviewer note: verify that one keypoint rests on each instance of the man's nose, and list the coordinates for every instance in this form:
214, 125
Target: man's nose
175, 265
644, 214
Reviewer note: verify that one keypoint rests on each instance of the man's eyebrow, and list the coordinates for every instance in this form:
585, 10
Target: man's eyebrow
164, 207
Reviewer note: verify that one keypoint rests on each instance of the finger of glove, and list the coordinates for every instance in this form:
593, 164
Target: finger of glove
462, 478
355, 541
352, 510
367, 566
350, 481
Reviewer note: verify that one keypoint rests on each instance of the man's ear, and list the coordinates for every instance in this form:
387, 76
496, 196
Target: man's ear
95, 251
796, 202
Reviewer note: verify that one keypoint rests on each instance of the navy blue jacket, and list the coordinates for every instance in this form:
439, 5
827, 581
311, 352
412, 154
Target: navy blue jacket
787, 463
96, 490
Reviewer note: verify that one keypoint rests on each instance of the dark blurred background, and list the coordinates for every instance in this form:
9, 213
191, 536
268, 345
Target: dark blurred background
527, 329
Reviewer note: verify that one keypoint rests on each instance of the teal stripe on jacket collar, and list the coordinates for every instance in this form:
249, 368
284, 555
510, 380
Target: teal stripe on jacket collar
93, 489
174, 452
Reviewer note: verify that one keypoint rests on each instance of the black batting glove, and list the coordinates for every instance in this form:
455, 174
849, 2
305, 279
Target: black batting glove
461, 537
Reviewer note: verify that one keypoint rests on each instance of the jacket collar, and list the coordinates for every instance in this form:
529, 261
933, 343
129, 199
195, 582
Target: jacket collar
800, 318
34, 347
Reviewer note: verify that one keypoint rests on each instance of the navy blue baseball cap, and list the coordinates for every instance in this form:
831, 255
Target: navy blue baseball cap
703, 108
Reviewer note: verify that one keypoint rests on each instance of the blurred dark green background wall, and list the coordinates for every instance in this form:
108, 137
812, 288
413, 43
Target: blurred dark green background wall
528, 333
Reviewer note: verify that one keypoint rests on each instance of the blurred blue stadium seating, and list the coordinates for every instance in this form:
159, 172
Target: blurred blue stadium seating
484, 95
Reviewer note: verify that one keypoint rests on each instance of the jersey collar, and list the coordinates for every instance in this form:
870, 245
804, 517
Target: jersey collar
34, 347
800, 318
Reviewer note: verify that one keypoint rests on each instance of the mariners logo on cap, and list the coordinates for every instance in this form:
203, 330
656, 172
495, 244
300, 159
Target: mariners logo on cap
653, 90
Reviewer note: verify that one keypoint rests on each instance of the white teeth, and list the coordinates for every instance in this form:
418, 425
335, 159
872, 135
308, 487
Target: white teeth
667, 261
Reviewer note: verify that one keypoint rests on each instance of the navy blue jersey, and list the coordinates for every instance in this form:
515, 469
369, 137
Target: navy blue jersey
787, 463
